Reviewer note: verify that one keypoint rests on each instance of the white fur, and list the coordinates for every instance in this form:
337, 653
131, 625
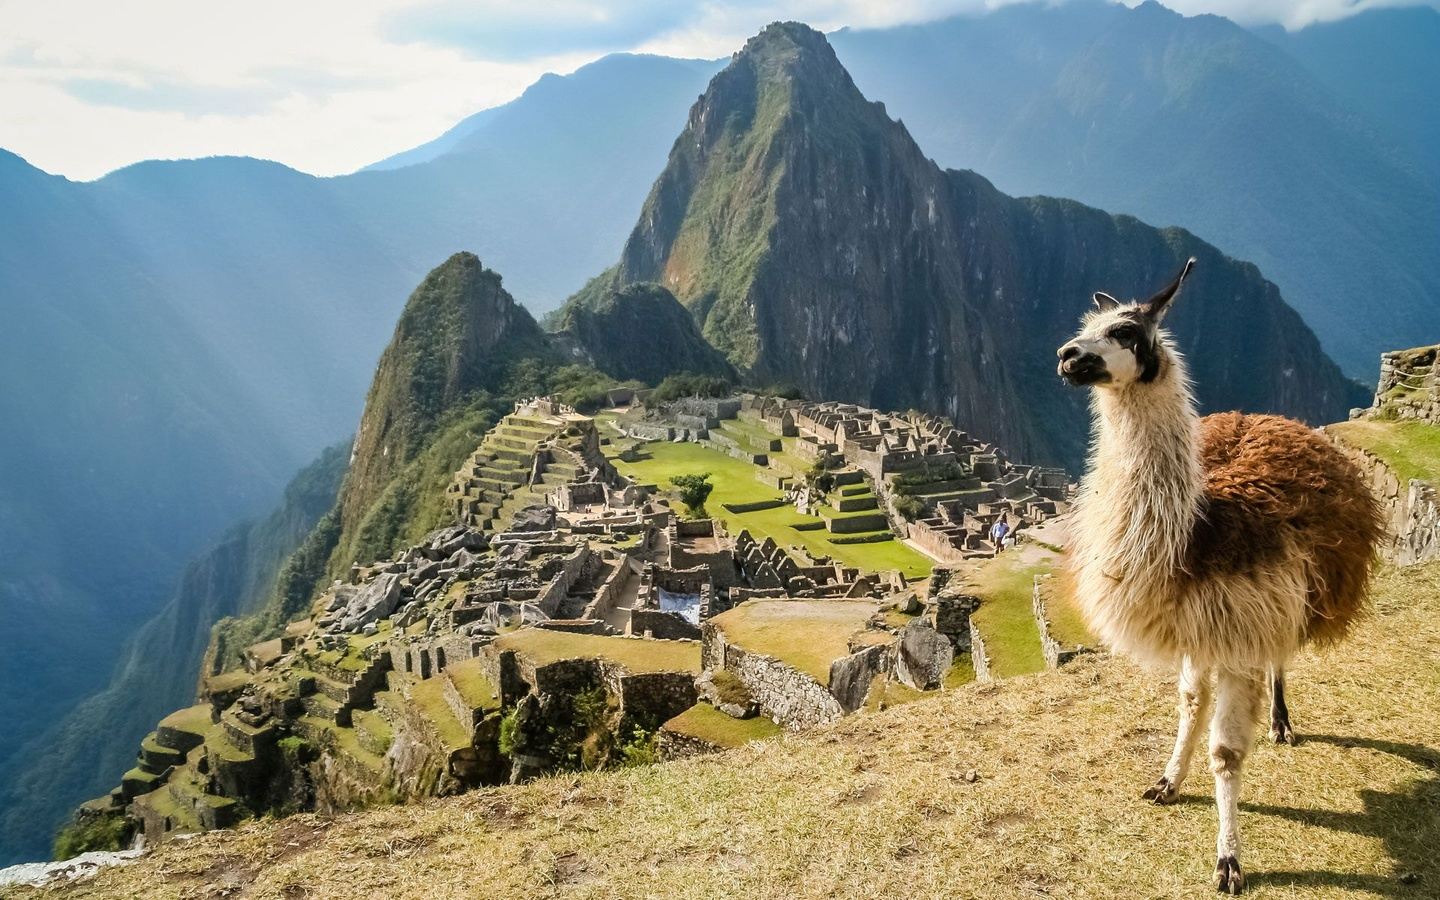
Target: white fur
1133, 519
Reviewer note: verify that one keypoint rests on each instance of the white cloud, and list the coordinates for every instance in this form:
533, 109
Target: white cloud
327, 86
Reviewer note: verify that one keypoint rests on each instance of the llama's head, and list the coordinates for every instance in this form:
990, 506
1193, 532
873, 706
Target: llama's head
1121, 343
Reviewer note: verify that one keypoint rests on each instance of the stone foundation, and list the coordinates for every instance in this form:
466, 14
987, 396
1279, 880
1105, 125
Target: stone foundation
1411, 512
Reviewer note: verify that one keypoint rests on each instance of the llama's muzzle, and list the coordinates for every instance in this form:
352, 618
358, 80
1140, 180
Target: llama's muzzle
1079, 367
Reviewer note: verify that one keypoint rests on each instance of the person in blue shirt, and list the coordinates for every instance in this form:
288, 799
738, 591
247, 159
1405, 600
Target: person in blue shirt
999, 530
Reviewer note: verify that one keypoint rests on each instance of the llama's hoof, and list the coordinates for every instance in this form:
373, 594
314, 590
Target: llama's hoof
1228, 877
1162, 792
1282, 733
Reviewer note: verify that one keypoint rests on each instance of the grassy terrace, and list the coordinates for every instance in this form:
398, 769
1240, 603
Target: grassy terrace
807, 634
192, 720
1005, 618
707, 723
473, 686
735, 483
430, 698
1066, 624
1411, 449
543, 646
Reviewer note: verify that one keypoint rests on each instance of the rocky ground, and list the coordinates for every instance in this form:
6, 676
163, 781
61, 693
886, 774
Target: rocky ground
1023, 788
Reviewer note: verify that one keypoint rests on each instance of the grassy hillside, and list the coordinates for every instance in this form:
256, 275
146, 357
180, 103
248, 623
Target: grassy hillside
881, 804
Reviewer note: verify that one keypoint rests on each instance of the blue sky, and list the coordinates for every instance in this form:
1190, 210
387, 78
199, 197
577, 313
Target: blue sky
327, 86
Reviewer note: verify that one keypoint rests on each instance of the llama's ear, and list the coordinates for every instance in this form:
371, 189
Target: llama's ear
1156, 307
1104, 302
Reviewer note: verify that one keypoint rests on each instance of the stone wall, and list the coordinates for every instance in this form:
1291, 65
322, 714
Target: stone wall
1411, 512
978, 657
1408, 387
555, 592
672, 745
785, 694
1056, 654
659, 625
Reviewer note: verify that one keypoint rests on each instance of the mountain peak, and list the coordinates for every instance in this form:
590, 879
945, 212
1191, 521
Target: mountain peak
784, 38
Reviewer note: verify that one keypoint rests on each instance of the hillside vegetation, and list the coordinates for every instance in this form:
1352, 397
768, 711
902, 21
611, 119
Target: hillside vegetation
1024, 788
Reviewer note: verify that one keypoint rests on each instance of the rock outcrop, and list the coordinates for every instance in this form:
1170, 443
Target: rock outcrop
637, 331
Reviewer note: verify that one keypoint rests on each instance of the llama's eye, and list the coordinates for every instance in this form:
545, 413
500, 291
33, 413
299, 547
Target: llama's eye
1126, 334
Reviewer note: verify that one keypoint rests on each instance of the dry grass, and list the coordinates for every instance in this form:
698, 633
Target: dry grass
636, 654
806, 634
878, 805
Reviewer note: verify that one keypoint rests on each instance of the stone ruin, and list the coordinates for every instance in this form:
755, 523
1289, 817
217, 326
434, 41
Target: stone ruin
549, 537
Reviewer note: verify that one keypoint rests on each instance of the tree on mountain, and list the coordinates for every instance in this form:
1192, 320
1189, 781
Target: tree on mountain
694, 491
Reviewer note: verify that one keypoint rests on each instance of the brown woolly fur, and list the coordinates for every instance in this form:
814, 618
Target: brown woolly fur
1272, 483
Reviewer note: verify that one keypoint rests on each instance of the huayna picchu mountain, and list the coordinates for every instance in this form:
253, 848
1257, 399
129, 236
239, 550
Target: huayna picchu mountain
816, 245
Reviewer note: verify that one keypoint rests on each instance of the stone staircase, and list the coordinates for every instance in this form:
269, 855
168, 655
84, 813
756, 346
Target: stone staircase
508, 462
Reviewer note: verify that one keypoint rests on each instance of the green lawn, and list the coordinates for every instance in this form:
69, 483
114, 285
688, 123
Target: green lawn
806, 634
962, 671
735, 483
638, 655
1411, 449
1005, 618
710, 724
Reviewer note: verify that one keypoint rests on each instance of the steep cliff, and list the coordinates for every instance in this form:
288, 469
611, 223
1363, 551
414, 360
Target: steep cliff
461, 342
816, 244
638, 331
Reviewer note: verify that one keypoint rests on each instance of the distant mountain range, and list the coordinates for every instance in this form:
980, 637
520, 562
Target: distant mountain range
180, 337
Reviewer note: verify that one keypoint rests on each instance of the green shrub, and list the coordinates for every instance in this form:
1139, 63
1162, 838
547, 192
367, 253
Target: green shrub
820, 478
509, 727
110, 831
694, 491
688, 384
296, 749
909, 506
639, 750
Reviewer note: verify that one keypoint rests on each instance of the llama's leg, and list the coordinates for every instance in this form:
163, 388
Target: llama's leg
1280, 730
1232, 732
1194, 707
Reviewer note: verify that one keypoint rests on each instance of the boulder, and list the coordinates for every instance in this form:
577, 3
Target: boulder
462, 560
506, 614
534, 518
375, 601
705, 689
924, 656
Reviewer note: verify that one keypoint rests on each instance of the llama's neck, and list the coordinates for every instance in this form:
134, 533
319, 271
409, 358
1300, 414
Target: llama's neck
1142, 493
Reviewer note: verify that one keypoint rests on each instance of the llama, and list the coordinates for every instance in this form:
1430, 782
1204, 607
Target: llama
1217, 546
